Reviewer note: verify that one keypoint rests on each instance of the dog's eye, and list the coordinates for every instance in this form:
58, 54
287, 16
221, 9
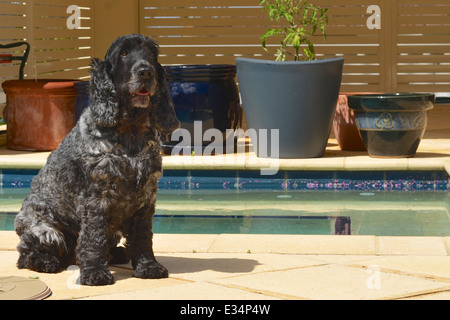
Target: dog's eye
124, 53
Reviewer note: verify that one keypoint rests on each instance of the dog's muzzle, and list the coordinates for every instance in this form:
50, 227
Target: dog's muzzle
140, 98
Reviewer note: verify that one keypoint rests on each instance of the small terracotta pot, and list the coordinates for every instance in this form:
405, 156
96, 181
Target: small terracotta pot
39, 113
344, 125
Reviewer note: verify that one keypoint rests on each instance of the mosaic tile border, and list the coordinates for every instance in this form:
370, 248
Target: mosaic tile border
284, 180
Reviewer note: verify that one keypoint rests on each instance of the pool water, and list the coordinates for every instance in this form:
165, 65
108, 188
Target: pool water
223, 204
394, 213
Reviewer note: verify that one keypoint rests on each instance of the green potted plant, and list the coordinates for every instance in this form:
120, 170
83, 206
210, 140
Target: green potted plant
296, 97
303, 20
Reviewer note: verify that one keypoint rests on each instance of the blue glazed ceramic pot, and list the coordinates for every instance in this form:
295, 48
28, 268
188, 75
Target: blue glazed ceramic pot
206, 93
392, 125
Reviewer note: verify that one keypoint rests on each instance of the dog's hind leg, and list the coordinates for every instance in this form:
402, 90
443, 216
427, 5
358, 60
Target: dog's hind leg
41, 245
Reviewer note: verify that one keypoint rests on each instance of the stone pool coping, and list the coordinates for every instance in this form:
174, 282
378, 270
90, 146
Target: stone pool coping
433, 155
269, 267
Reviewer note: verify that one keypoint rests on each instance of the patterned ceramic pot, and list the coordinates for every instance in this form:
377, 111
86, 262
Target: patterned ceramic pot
392, 125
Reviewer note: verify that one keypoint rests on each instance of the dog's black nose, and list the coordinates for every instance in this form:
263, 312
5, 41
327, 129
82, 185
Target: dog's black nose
145, 73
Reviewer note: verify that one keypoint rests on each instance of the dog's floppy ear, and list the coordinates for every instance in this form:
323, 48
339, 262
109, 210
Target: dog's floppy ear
104, 106
163, 114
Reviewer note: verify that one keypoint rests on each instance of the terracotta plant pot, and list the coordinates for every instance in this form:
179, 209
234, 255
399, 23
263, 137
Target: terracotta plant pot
344, 124
39, 114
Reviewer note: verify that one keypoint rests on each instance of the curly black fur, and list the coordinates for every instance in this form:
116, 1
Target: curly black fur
100, 184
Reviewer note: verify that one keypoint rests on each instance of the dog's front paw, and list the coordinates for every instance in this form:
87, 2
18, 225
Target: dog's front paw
150, 270
96, 277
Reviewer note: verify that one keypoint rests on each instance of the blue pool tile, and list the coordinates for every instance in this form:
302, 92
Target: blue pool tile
17, 178
213, 180
256, 174
213, 183
311, 180
360, 181
441, 175
441, 185
323, 175
174, 180
213, 173
173, 183
176, 173
261, 184
283, 180
441, 181
253, 180
410, 180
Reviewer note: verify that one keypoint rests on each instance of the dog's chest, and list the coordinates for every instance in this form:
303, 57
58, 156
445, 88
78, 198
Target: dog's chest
113, 166
126, 185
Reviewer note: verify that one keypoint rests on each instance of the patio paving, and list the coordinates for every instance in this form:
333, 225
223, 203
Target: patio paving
243, 267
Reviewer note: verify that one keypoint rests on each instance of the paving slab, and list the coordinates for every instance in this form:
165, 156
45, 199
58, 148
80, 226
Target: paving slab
332, 282
429, 267
412, 245
301, 244
199, 291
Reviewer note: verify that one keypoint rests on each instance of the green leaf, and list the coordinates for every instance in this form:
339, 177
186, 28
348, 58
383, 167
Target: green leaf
289, 17
281, 55
296, 41
264, 40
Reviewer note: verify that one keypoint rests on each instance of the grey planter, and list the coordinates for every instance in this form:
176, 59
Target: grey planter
298, 98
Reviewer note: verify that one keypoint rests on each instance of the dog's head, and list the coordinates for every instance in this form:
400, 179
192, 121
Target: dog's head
133, 63
131, 72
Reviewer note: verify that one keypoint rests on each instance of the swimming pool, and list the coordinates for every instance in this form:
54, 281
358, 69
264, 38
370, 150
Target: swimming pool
302, 202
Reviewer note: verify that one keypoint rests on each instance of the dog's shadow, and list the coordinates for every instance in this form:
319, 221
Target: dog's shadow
183, 265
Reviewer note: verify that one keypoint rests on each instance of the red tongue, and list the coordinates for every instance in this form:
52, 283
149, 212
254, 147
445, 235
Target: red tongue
143, 92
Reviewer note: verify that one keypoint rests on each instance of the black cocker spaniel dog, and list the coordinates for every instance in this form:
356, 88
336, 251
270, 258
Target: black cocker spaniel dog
100, 184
